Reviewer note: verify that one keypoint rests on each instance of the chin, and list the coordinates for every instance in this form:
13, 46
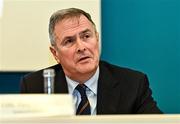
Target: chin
87, 69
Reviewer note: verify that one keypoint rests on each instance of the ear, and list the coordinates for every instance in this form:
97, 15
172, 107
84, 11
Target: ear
99, 42
55, 53
97, 36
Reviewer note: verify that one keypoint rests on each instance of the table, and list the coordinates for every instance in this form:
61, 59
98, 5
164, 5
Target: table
98, 119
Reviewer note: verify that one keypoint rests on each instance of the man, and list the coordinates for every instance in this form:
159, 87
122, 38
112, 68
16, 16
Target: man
97, 86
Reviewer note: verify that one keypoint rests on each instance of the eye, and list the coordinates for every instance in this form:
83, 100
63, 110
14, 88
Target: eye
68, 42
86, 36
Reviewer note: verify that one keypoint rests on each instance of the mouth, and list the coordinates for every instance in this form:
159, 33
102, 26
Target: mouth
83, 59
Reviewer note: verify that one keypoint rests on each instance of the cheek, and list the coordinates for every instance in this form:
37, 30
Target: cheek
66, 55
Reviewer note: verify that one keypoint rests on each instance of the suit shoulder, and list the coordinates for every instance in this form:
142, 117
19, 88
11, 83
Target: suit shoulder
118, 71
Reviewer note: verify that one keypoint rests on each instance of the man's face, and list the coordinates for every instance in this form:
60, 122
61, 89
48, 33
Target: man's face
77, 47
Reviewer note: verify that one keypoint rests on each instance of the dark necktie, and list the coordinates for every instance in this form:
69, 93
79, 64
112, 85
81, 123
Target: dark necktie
84, 106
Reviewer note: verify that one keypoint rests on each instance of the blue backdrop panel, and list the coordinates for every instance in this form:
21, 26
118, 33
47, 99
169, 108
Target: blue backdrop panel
10, 81
145, 35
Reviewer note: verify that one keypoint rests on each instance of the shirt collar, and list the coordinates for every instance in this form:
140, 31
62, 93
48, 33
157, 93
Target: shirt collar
92, 83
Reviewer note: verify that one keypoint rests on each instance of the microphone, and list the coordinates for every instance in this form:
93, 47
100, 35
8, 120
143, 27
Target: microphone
49, 75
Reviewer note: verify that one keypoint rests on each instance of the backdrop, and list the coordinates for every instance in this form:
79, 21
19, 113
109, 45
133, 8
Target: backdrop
145, 35
142, 35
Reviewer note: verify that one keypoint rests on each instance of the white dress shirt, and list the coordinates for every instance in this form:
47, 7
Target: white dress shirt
91, 91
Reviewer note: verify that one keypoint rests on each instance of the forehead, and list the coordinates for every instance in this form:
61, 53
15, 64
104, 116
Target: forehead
71, 26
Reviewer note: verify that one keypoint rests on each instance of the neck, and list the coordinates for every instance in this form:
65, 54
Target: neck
82, 77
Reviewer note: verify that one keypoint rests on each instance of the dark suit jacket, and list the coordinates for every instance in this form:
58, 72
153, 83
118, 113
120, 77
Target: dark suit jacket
120, 90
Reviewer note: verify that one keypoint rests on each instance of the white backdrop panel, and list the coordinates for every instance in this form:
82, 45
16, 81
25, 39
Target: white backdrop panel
24, 41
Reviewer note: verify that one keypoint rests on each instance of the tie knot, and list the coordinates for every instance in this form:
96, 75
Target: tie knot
82, 89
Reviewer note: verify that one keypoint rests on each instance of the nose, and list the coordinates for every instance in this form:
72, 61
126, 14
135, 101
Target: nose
80, 46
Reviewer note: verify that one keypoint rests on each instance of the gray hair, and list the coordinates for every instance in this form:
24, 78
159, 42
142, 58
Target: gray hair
65, 14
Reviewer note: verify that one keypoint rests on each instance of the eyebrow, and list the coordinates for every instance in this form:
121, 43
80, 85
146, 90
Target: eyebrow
82, 32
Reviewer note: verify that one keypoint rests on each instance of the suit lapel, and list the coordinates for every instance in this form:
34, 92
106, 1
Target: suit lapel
60, 80
108, 92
